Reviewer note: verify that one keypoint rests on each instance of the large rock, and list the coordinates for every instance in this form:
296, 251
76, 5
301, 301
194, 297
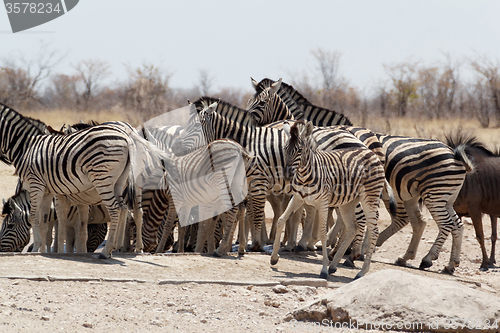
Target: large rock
397, 300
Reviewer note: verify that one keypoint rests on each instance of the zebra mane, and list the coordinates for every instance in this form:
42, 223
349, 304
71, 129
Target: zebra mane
471, 142
226, 110
80, 126
296, 134
33, 123
297, 103
294, 94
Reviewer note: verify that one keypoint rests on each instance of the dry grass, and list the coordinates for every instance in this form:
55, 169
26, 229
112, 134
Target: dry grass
423, 128
57, 118
435, 128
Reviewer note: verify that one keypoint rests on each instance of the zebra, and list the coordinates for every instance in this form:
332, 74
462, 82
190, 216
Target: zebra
302, 110
416, 169
15, 231
219, 119
261, 105
341, 178
190, 181
99, 158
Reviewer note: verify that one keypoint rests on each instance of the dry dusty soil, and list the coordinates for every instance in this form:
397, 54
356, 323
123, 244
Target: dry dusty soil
192, 293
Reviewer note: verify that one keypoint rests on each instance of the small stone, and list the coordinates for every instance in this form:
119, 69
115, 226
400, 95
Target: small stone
254, 299
46, 308
156, 323
280, 289
262, 313
276, 304
87, 325
170, 304
204, 321
249, 287
267, 302
46, 318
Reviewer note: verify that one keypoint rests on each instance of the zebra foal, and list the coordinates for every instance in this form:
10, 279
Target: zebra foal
97, 158
340, 178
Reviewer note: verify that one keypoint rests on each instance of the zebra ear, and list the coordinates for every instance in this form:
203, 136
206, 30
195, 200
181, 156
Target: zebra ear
275, 87
14, 205
308, 129
189, 102
212, 107
254, 83
286, 128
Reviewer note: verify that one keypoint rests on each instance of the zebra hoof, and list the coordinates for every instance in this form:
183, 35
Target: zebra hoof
274, 261
217, 255
323, 275
483, 269
400, 262
357, 276
299, 248
332, 270
447, 271
349, 263
103, 256
425, 264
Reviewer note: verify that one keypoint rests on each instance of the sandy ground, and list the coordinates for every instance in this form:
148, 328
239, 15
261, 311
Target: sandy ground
192, 293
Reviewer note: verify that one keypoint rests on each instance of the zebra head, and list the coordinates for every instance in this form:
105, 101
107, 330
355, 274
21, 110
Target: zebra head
15, 230
299, 136
197, 133
266, 106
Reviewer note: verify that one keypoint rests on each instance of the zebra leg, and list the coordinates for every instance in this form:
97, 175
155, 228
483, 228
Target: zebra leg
201, 238
62, 210
336, 234
397, 223
257, 217
307, 231
293, 227
418, 225
81, 231
138, 216
370, 207
322, 212
293, 206
315, 237
44, 215
275, 202
171, 214
493, 240
211, 247
181, 231
447, 222
242, 240
347, 212
457, 235
227, 238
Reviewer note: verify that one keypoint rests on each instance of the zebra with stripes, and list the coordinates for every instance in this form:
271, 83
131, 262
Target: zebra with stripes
299, 106
201, 178
222, 120
416, 169
15, 230
97, 158
341, 178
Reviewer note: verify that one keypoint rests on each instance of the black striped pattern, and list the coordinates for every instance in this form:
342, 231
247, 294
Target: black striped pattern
303, 110
339, 178
97, 157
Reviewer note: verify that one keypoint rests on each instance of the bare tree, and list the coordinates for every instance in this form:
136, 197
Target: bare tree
490, 70
20, 78
147, 90
91, 72
327, 66
403, 77
205, 81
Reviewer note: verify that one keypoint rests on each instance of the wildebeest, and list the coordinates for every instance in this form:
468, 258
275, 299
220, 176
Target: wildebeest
480, 193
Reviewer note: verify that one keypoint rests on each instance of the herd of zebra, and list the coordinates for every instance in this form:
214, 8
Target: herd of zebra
307, 161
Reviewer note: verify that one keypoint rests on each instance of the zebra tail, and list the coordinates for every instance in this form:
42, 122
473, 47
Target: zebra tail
389, 193
462, 157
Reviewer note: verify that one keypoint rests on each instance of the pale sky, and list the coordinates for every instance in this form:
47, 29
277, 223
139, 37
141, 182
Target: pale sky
234, 40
